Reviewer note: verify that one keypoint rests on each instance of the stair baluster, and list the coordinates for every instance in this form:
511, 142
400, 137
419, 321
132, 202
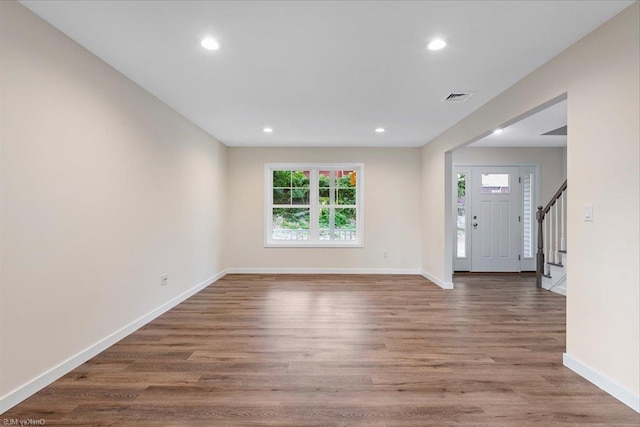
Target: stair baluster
563, 215
550, 253
556, 237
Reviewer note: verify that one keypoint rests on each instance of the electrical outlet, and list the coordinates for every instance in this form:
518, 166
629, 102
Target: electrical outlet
385, 254
164, 280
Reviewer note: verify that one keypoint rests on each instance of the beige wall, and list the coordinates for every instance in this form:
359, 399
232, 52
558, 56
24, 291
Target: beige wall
550, 161
392, 210
600, 75
103, 189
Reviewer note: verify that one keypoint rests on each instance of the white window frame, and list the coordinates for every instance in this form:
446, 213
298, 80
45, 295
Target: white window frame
314, 207
528, 263
462, 263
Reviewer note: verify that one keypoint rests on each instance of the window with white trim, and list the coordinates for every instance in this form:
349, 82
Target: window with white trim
528, 212
314, 205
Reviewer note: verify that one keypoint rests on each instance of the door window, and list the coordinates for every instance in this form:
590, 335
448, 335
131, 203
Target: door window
495, 183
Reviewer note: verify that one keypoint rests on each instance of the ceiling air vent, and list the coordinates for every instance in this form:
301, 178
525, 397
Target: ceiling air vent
457, 97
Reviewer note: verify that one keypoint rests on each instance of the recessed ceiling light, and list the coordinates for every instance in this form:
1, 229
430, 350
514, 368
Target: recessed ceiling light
210, 44
267, 130
436, 44
379, 130
497, 131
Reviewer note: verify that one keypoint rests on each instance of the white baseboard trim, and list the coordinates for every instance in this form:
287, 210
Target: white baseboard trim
555, 286
21, 393
322, 271
559, 290
610, 386
432, 278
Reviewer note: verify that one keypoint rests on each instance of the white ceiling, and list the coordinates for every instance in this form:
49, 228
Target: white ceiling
528, 132
325, 73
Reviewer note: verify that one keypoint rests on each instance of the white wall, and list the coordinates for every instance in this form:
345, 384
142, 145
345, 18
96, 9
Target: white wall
600, 75
391, 200
103, 189
549, 159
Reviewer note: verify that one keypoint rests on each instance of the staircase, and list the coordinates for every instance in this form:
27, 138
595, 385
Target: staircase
551, 259
555, 279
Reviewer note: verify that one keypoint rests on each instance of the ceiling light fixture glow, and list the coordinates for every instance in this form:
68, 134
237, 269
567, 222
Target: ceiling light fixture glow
379, 130
267, 130
497, 131
210, 44
436, 44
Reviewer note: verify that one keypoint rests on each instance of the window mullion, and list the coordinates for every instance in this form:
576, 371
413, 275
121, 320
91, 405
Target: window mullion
332, 202
313, 205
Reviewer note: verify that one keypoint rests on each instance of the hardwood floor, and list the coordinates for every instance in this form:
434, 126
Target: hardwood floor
338, 350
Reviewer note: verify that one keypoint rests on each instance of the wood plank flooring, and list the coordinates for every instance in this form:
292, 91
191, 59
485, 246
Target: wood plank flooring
336, 350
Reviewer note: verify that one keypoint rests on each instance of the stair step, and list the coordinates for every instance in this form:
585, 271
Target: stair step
557, 265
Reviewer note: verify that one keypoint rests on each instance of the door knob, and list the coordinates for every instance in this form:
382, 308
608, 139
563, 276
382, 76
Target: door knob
475, 225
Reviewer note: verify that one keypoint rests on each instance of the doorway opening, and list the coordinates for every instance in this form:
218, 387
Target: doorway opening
496, 182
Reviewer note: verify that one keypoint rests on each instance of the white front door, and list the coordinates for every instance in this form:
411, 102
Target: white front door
494, 219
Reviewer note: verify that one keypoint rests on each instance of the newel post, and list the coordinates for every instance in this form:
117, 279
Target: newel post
540, 253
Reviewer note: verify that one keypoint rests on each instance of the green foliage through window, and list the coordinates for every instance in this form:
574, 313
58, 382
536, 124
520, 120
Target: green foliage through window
291, 187
291, 218
462, 185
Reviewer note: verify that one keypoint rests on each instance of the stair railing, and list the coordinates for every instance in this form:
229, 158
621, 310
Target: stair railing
552, 222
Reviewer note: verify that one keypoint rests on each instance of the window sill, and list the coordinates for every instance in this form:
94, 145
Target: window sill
313, 245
